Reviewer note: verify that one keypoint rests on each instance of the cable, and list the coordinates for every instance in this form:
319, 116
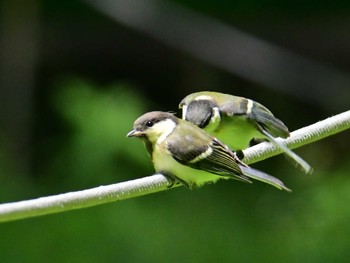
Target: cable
156, 183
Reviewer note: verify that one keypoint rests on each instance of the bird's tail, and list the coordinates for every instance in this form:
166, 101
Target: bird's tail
296, 158
263, 177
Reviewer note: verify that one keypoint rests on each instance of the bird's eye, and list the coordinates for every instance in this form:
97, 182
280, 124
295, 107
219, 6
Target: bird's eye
149, 123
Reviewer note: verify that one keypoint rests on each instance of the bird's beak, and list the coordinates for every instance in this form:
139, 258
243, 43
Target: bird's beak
134, 133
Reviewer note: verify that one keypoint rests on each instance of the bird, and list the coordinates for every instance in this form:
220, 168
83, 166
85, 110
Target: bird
187, 154
237, 122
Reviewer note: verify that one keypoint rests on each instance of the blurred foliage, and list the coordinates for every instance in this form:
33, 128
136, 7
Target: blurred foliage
77, 141
98, 119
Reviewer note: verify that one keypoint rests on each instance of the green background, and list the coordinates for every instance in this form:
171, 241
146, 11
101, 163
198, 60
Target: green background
73, 81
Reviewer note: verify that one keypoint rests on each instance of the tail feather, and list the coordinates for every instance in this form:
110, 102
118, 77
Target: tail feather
296, 158
263, 177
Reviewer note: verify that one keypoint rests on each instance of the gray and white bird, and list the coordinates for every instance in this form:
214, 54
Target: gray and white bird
186, 153
236, 121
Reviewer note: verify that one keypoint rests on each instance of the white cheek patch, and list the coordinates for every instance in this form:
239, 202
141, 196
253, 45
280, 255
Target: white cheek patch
162, 130
250, 105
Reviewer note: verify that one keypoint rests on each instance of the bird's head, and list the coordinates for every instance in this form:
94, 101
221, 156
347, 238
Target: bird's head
154, 125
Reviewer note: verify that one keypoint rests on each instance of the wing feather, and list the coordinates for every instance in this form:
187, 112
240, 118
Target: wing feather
268, 121
213, 158
208, 154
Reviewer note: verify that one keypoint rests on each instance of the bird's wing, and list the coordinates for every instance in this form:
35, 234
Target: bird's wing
211, 156
207, 153
256, 113
248, 171
217, 159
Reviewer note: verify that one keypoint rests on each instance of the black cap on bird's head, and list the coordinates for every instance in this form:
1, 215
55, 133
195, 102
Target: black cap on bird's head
199, 112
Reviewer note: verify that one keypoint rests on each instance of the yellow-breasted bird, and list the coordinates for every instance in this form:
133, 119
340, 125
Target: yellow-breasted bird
186, 153
236, 121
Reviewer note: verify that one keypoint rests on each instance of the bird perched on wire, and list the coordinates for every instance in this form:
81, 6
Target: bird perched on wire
186, 153
236, 121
